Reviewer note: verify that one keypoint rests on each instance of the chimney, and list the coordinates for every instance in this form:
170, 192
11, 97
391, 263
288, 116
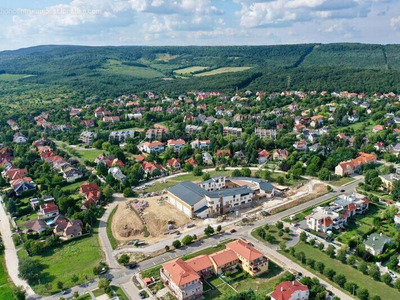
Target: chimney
281, 288
293, 282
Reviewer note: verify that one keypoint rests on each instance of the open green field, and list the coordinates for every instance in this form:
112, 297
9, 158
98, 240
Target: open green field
5, 285
190, 70
12, 77
159, 186
77, 257
352, 275
89, 154
116, 67
223, 70
273, 231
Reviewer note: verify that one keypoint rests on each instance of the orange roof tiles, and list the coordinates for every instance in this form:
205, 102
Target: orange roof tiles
223, 257
244, 250
200, 263
180, 272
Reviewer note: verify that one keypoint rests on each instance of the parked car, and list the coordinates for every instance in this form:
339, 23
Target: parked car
132, 265
142, 295
232, 231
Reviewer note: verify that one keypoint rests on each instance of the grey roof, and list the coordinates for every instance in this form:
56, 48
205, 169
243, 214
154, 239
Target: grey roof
376, 241
265, 185
229, 192
188, 192
200, 210
212, 179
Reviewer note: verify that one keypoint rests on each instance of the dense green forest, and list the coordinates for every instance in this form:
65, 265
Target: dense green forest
45, 73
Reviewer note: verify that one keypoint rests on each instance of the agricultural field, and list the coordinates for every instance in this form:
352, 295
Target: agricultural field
77, 257
115, 67
13, 77
223, 70
190, 70
5, 285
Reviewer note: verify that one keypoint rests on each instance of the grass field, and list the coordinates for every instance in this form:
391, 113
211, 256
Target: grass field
5, 285
89, 154
78, 257
118, 68
190, 70
12, 77
110, 235
120, 293
274, 232
352, 275
223, 70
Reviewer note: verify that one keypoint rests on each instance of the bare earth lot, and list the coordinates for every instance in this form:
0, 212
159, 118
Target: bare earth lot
150, 226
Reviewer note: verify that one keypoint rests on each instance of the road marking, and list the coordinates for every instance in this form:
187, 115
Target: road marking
176, 255
154, 263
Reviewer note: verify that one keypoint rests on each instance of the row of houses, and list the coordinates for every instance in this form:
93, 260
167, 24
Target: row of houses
184, 278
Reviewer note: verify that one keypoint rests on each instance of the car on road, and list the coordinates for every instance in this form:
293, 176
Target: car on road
342, 191
142, 295
232, 231
65, 292
132, 265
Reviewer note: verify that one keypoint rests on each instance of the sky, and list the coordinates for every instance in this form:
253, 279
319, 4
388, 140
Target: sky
25, 23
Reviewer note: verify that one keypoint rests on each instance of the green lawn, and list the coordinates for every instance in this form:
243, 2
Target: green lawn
352, 275
187, 177
73, 186
98, 292
84, 297
215, 288
210, 250
152, 272
89, 154
120, 293
5, 284
77, 257
341, 181
288, 182
190, 70
274, 232
110, 235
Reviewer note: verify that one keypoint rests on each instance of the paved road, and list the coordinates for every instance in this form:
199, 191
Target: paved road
11, 256
123, 277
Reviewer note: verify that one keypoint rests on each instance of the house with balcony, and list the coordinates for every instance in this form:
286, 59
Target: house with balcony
224, 260
177, 145
48, 210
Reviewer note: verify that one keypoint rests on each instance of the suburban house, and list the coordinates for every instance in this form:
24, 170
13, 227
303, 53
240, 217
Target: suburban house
265, 133
234, 131
48, 210
22, 185
108, 161
68, 230
150, 167
211, 198
183, 278
375, 243
263, 156
152, 147
87, 137
70, 174
111, 119
174, 163
192, 129
19, 138
183, 282
192, 161
35, 226
153, 134
207, 158
176, 144
92, 193
351, 166
280, 154
117, 174
290, 290
197, 144
389, 179
121, 136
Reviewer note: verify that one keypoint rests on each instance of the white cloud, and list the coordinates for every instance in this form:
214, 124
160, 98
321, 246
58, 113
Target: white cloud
395, 23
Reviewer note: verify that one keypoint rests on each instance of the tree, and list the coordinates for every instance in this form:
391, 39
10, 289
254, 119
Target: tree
176, 244
397, 284
29, 269
124, 259
303, 236
363, 267
282, 245
328, 272
363, 294
319, 266
187, 239
396, 190
206, 176
279, 225
324, 174
351, 287
374, 272
321, 246
197, 171
19, 293
351, 260
340, 279
128, 192
209, 230
107, 193
104, 284
266, 227
386, 278
330, 251
166, 248
74, 278
219, 228
375, 297
341, 255
246, 172
60, 285
237, 173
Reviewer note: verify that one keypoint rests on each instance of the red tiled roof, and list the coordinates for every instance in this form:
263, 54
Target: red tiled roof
285, 290
244, 250
200, 263
180, 272
223, 257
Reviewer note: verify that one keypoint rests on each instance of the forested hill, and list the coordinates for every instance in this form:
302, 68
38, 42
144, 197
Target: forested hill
111, 71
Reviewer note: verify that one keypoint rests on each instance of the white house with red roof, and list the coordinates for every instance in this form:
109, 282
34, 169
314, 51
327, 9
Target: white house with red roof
152, 147
290, 290
176, 144
48, 210
263, 156
174, 163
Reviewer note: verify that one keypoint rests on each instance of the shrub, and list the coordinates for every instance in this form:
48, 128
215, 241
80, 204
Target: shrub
176, 244
188, 239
